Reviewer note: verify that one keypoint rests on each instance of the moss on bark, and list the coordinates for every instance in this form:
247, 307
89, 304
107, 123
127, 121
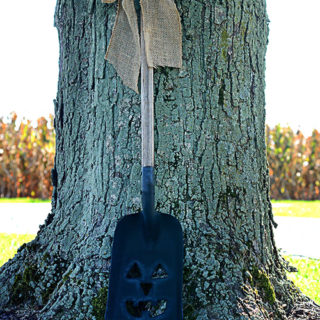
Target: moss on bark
262, 282
99, 303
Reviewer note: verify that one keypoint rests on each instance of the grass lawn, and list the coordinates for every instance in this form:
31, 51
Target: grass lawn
23, 200
9, 244
296, 208
284, 208
307, 278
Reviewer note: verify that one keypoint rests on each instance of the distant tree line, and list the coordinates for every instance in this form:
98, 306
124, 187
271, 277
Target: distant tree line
27, 157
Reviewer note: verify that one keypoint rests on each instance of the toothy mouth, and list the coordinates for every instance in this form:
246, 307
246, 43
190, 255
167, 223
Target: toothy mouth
137, 309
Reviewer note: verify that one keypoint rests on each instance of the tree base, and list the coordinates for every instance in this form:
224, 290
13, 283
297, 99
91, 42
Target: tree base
305, 309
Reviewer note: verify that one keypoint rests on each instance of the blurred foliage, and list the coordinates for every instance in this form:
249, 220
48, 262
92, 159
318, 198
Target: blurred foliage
26, 157
294, 163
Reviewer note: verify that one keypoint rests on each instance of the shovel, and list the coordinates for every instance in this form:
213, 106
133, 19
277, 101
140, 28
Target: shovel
147, 254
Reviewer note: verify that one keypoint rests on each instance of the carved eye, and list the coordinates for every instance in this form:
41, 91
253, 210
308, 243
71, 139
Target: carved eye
134, 272
159, 272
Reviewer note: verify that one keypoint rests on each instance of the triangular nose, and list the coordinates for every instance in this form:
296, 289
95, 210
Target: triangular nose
146, 287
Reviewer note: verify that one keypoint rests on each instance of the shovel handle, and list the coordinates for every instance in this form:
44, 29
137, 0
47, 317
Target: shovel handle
147, 124
148, 198
147, 109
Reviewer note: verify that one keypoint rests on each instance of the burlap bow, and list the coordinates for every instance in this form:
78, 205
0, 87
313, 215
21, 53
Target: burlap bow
162, 34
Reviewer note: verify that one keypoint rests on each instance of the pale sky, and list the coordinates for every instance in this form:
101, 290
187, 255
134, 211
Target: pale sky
293, 64
28, 58
29, 61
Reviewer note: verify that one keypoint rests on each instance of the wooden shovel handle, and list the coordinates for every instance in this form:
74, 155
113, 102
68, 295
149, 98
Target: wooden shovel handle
147, 108
147, 137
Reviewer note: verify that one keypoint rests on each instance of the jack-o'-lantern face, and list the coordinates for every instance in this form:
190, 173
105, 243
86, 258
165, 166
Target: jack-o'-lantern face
147, 284
146, 274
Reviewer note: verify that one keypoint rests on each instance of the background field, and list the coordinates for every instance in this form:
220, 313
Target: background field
296, 208
23, 200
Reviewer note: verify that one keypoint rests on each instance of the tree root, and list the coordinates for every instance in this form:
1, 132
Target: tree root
305, 310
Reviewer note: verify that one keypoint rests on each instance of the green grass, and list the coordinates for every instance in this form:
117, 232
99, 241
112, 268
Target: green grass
9, 244
296, 208
308, 276
284, 208
23, 200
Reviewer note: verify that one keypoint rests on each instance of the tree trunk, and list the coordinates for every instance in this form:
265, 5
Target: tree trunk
211, 169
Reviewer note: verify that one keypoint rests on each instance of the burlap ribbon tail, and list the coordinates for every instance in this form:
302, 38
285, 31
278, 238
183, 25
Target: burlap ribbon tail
162, 34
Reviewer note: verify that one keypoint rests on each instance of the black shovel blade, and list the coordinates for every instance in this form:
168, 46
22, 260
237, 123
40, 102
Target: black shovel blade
146, 272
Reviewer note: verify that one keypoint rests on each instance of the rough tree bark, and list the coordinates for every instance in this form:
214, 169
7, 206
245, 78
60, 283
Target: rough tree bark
211, 169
